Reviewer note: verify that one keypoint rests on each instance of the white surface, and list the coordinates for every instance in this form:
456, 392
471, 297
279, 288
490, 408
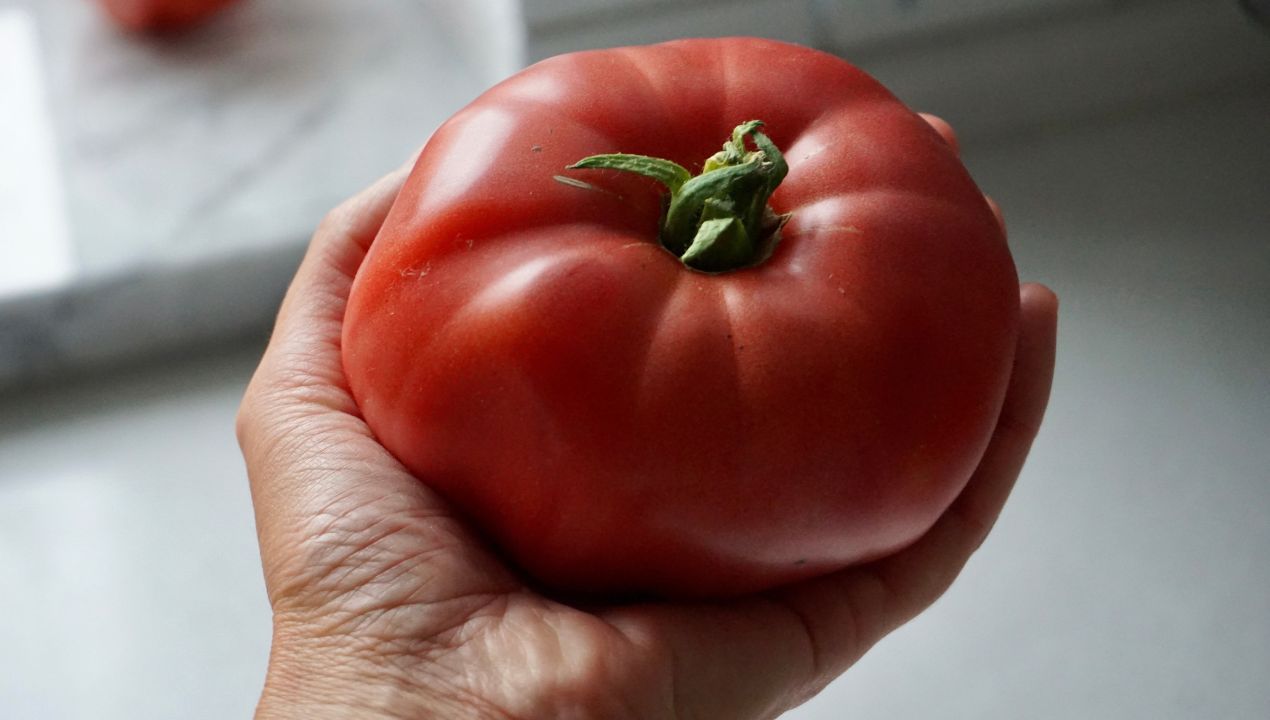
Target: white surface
34, 241
1128, 578
239, 134
129, 583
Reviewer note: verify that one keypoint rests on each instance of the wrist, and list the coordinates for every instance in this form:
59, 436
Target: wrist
316, 678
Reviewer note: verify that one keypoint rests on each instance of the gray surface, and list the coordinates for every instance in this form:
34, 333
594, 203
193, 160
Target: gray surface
1127, 578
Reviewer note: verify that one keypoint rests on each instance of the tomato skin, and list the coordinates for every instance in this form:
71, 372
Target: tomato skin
162, 15
617, 423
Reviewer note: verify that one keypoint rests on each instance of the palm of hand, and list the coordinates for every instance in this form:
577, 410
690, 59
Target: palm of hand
386, 604
412, 595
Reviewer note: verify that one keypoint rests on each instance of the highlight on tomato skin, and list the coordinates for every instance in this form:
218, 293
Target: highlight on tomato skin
162, 16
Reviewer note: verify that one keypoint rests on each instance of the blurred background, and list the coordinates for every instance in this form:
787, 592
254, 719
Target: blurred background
156, 191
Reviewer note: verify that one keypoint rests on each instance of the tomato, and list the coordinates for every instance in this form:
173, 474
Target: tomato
162, 15
617, 422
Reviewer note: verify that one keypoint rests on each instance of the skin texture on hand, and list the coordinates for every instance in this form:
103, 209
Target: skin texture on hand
386, 605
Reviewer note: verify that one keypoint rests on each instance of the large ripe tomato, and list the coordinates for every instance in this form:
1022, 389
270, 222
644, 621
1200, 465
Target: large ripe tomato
162, 15
618, 422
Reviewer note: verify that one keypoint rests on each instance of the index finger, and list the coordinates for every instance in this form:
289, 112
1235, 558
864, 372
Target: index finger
302, 361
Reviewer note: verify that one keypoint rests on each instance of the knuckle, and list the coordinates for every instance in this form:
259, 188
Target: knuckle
247, 418
244, 423
338, 219
333, 223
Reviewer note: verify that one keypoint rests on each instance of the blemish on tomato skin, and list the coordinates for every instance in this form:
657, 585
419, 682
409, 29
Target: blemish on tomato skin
418, 272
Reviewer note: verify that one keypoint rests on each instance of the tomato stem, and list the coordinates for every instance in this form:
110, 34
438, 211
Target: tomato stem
718, 220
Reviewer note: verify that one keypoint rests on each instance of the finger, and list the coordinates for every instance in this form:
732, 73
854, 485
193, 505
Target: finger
300, 370
319, 480
313, 308
949, 135
303, 351
847, 613
922, 572
296, 424
996, 211
758, 656
944, 129
304, 347
741, 659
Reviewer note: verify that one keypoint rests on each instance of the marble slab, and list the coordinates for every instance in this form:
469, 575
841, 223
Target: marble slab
192, 164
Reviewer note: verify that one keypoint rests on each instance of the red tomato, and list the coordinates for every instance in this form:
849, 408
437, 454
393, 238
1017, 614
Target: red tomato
619, 423
162, 15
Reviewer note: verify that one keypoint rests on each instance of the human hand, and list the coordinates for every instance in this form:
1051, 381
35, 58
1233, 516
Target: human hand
386, 605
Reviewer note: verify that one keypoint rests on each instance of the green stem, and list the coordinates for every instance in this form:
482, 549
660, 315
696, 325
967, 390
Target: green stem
718, 220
